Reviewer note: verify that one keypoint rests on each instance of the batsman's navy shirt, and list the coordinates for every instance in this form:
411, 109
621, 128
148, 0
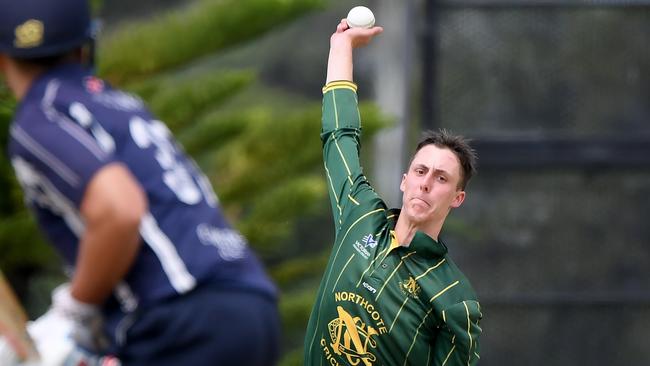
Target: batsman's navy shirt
380, 302
71, 124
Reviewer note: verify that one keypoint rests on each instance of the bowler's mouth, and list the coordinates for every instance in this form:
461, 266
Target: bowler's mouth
419, 200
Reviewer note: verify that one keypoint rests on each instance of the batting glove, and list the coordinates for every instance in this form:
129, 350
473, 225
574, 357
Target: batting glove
70, 332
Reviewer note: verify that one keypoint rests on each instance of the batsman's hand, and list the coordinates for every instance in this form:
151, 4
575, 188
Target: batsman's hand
69, 324
58, 352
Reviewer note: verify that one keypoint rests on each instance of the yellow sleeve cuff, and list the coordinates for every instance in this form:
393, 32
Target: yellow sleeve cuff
340, 84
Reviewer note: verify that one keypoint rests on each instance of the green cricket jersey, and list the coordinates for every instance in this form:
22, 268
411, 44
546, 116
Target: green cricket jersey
380, 303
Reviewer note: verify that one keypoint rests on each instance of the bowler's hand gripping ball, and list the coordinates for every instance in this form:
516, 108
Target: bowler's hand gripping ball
360, 17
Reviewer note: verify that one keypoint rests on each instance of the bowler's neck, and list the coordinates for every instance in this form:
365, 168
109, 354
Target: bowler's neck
405, 229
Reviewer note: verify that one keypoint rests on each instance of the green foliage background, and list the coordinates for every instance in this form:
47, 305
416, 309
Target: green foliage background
262, 152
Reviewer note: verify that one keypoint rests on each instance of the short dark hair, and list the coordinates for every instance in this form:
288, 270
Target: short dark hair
45, 62
459, 145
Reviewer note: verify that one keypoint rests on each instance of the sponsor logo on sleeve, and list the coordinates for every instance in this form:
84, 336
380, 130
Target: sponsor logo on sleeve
229, 243
363, 246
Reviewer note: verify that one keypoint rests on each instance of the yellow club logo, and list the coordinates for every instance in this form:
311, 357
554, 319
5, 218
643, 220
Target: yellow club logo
352, 338
410, 287
29, 34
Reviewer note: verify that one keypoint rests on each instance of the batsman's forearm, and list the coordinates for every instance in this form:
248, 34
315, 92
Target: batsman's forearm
339, 62
112, 208
106, 253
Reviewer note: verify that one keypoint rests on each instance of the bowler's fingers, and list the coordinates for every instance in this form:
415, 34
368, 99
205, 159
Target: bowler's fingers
342, 26
362, 36
375, 31
358, 37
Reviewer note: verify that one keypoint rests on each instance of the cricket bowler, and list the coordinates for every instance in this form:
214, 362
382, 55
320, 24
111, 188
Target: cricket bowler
390, 294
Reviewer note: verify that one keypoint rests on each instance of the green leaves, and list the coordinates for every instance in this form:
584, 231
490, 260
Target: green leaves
21, 244
204, 27
179, 103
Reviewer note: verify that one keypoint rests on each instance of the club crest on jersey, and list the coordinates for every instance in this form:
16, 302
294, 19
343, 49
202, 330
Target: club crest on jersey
94, 84
362, 246
352, 338
410, 287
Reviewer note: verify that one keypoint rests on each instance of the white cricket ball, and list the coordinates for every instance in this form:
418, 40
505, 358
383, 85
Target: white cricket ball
360, 17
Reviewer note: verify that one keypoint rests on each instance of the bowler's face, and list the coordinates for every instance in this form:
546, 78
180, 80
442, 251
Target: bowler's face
430, 185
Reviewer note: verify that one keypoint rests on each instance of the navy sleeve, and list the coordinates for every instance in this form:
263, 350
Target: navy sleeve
56, 155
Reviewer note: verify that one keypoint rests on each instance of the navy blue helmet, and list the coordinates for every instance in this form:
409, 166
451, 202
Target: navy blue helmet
42, 28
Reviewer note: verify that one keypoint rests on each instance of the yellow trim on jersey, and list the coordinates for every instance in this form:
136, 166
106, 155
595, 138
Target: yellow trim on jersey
391, 275
417, 331
393, 244
336, 198
336, 111
448, 354
343, 270
353, 200
346, 235
444, 290
393, 241
330, 274
418, 277
397, 316
345, 163
468, 331
336, 143
340, 84
369, 266
430, 269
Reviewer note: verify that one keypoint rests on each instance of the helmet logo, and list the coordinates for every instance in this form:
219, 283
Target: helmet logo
29, 34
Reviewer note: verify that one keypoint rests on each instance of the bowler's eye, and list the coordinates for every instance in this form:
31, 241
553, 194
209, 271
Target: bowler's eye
442, 178
419, 171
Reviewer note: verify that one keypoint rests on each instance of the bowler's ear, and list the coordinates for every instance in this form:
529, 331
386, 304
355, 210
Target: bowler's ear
458, 200
402, 184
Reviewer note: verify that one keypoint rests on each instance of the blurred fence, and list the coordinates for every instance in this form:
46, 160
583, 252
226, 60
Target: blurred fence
554, 233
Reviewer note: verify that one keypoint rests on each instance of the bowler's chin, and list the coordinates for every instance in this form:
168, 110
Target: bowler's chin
417, 214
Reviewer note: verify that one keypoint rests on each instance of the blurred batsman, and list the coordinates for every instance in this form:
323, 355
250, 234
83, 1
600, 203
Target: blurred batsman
159, 277
390, 294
